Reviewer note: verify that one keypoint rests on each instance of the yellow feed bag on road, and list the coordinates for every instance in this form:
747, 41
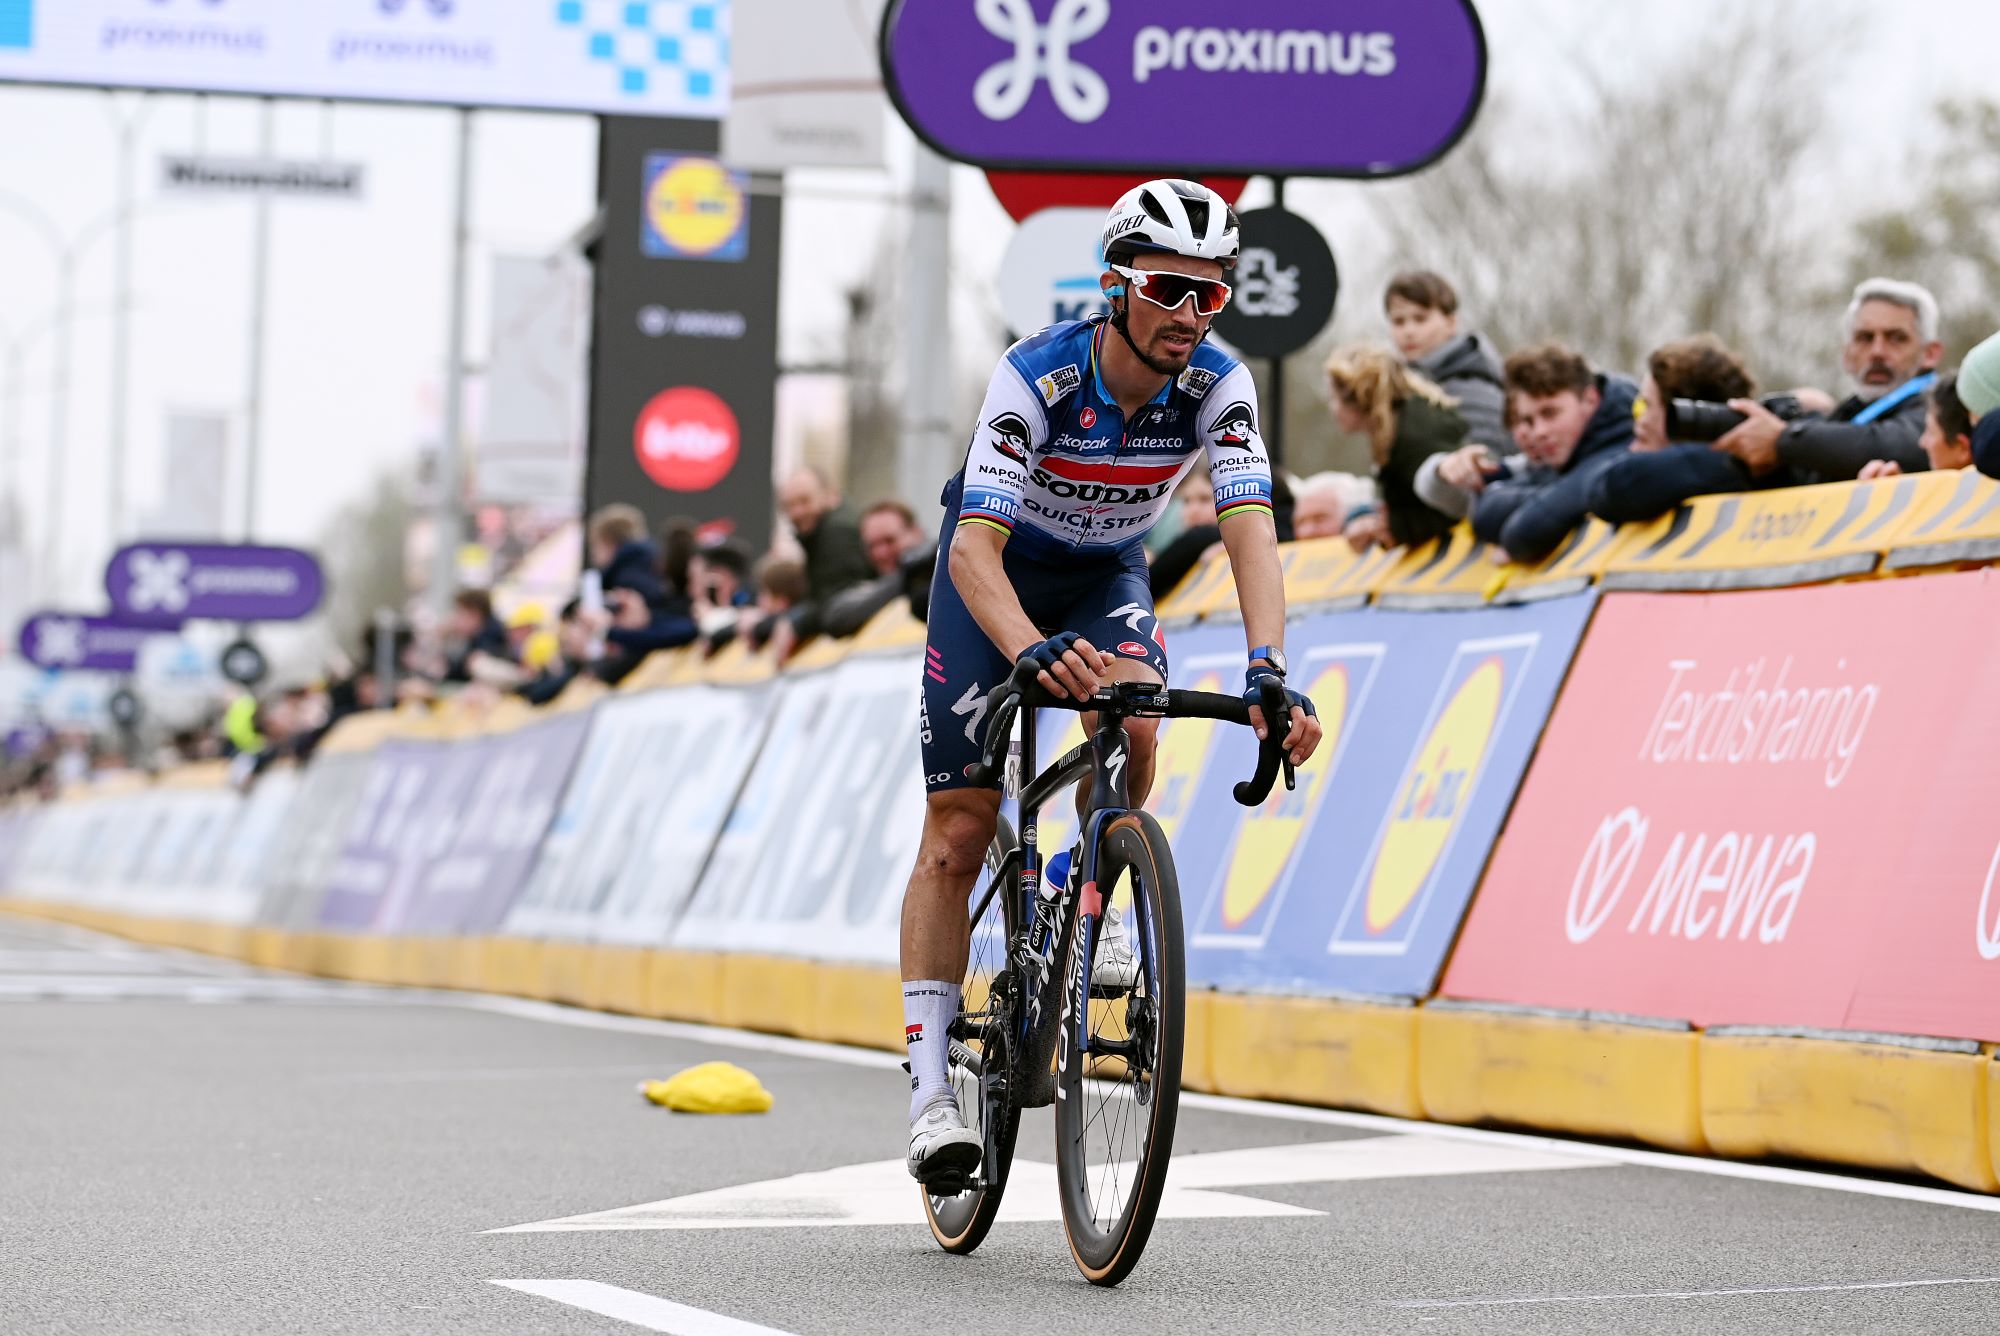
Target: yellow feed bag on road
713, 1087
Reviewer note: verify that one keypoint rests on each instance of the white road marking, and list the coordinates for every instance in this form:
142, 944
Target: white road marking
1250, 1108
1688, 1294
881, 1192
641, 1310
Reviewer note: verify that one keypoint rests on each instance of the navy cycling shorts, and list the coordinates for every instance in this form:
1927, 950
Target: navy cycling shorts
1108, 602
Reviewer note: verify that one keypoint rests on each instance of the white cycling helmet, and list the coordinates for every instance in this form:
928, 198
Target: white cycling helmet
1176, 217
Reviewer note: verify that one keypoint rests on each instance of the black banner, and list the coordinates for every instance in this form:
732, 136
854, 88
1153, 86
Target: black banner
684, 350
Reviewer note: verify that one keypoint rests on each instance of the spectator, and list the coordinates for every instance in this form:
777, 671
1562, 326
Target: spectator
830, 539
782, 587
621, 553
1407, 420
1891, 353
1571, 424
1422, 309
472, 634
1660, 473
1947, 438
1326, 501
719, 584
572, 641
1979, 391
895, 544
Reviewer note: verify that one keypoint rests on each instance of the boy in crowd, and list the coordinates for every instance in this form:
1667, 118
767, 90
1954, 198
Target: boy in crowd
1422, 311
1571, 424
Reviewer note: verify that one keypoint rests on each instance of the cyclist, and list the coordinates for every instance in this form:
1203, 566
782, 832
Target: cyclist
1086, 429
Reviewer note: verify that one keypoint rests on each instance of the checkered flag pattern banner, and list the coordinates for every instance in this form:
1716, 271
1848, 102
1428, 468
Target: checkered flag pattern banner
644, 42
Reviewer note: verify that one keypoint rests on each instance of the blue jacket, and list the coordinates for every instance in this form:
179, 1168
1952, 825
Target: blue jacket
1532, 510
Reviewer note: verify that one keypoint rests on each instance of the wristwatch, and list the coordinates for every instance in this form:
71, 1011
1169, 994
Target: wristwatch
1272, 655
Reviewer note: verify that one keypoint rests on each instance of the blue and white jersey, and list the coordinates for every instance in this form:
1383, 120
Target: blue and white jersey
1055, 464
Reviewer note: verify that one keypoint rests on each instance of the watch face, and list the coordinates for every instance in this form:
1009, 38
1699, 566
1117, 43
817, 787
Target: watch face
1275, 657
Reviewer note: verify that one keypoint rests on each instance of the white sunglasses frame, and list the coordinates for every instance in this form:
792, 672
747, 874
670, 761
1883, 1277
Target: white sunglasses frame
1136, 280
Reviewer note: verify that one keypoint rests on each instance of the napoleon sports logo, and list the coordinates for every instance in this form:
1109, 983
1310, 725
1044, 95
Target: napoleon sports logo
1043, 52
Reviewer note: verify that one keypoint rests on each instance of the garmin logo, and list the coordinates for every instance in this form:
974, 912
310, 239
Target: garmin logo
1254, 51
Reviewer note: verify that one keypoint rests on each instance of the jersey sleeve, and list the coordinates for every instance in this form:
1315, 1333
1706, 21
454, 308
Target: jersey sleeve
1013, 425
1237, 461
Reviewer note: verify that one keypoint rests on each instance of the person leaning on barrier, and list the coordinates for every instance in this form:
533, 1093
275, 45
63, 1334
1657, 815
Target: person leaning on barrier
897, 548
830, 538
1979, 390
1571, 424
473, 635
1408, 421
1324, 502
1662, 471
1947, 438
1422, 311
1890, 356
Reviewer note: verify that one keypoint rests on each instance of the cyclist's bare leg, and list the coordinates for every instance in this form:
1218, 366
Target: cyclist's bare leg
1144, 734
958, 825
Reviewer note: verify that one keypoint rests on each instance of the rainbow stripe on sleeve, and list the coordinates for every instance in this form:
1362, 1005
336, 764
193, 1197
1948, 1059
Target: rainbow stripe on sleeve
1243, 505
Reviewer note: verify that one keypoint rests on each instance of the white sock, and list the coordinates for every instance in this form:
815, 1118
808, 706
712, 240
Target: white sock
929, 1007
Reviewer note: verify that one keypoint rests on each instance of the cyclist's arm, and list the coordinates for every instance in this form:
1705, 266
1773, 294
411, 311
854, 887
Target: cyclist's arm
1241, 471
1013, 425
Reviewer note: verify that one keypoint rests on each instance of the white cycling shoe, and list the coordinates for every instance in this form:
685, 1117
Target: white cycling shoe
1116, 968
941, 1145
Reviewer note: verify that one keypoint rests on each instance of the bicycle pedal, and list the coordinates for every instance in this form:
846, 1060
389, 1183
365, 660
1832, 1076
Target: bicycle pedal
949, 1185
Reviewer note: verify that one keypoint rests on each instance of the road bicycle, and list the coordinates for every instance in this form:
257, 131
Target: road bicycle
1109, 1059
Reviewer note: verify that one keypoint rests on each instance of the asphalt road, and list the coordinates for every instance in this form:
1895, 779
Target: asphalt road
192, 1146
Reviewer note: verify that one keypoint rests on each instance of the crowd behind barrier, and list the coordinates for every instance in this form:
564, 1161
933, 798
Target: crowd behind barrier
1696, 868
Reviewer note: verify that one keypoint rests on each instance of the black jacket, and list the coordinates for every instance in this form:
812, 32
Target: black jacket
1834, 449
636, 566
1467, 369
1423, 429
1532, 511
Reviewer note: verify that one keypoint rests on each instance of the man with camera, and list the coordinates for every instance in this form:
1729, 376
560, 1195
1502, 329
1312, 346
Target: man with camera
1890, 356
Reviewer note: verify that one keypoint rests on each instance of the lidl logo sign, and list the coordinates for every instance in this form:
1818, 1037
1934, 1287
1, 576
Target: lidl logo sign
17, 24
1263, 859
696, 209
1431, 797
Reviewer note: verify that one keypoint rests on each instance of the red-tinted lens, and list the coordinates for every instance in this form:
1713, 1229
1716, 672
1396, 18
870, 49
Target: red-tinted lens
1170, 290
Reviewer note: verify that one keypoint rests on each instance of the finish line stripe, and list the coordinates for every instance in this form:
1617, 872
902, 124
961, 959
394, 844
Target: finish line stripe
1689, 1294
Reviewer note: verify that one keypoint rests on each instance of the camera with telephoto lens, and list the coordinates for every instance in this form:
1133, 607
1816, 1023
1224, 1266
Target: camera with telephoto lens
1698, 420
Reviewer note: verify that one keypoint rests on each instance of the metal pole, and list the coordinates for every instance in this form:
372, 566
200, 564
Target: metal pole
926, 436
385, 659
260, 284
121, 326
1274, 416
449, 522
58, 426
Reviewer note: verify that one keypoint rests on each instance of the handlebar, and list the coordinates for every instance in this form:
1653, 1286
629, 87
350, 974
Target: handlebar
1132, 700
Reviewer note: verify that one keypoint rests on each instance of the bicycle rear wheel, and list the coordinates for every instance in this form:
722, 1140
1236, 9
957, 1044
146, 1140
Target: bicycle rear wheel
1120, 1094
982, 1051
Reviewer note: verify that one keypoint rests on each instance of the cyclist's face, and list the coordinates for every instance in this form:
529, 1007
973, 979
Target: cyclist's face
1167, 339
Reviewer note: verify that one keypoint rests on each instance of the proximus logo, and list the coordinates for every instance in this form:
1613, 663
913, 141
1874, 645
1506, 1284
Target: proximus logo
1042, 53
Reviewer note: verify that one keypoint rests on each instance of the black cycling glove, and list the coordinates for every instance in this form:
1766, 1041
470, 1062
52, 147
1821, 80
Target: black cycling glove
1043, 658
1264, 687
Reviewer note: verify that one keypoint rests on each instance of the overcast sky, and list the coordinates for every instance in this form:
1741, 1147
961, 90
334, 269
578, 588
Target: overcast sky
357, 316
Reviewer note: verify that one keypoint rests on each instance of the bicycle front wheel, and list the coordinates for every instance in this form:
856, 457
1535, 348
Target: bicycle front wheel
983, 1051
1120, 1079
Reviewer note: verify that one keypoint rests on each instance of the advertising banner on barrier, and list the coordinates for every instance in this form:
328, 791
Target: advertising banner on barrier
1761, 808
645, 803
1355, 881
406, 819
819, 846
471, 883
301, 860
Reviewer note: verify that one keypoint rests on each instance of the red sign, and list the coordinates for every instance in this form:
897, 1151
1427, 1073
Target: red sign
1024, 194
1762, 808
686, 439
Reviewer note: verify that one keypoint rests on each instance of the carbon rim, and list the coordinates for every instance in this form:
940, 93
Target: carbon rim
1115, 1123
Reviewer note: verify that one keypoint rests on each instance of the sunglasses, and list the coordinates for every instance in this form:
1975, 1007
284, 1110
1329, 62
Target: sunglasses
1168, 290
